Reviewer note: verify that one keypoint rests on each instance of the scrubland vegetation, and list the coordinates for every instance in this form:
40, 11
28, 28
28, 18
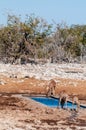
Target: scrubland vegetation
36, 39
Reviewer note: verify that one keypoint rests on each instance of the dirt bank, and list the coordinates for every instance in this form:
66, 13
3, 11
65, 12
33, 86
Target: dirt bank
20, 113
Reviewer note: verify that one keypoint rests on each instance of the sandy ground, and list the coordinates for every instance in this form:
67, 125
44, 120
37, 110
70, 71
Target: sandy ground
17, 112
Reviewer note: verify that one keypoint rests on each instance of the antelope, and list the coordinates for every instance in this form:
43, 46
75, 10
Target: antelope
63, 98
51, 88
75, 100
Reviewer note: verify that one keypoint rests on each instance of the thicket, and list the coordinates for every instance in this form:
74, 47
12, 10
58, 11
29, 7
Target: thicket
36, 39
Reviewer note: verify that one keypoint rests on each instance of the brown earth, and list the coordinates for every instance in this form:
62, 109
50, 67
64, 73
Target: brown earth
19, 113
35, 86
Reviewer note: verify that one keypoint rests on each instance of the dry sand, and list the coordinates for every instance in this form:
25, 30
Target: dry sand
19, 113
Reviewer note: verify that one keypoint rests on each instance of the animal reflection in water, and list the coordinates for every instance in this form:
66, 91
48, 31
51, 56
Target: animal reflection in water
50, 88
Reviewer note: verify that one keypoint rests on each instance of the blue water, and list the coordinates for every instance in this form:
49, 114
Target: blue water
53, 102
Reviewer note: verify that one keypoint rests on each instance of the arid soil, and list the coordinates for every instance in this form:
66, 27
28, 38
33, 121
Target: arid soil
18, 112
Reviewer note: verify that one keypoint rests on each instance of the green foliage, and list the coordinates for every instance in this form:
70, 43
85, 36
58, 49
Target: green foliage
23, 38
34, 38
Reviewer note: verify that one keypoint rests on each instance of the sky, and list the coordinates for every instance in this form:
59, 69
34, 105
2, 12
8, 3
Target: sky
53, 11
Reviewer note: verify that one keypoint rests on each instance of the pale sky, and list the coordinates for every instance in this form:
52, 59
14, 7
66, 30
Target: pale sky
69, 11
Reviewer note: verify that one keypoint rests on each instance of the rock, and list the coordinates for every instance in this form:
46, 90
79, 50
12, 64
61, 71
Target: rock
2, 82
